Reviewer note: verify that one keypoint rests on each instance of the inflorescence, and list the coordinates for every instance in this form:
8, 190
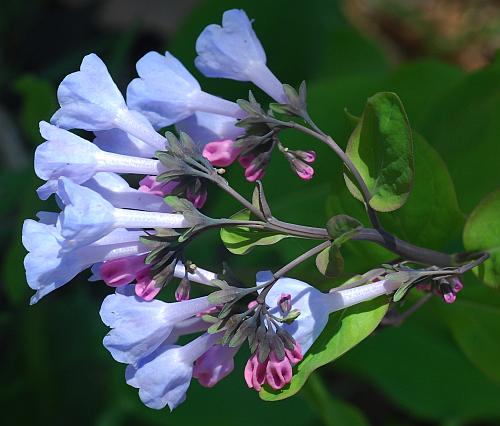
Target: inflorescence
134, 238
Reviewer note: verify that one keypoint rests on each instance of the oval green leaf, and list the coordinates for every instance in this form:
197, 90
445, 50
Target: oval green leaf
381, 148
241, 239
482, 233
330, 262
344, 330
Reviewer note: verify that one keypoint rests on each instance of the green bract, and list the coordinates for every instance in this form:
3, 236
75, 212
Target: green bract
381, 149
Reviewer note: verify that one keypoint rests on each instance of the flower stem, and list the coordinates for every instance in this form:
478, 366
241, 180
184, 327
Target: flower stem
289, 266
318, 134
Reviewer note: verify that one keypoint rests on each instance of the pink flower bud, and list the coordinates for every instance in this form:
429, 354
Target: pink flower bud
246, 160
278, 373
252, 304
197, 198
214, 365
151, 186
209, 311
285, 302
294, 355
272, 371
255, 372
253, 173
146, 287
182, 292
116, 273
449, 297
307, 156
456, 285
221, 153
303, 170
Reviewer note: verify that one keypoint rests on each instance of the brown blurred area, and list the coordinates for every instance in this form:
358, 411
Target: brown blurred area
465, 32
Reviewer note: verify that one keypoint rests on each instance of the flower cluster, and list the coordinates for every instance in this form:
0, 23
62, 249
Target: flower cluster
133, 238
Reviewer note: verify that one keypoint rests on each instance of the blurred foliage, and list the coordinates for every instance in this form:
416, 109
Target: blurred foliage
466, 32
440, 366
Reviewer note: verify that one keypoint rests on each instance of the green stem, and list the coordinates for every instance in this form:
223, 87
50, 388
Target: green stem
289, 266
379, 236
222, 184
318, 134
404, 249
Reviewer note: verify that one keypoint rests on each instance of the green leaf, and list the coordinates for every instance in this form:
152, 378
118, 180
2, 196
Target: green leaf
381, 148
330, 262
344, 330
352, 119
474, 320
464, 128
342, 227
241, 239
333, 411
38, 102
419, 368
482, 233
431, 216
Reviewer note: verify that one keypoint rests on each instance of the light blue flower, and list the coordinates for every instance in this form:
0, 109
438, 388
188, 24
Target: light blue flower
204, 127
139, 327
91, 101
233, 51
164, 376
49, 267
314, 312
66, 154
166, 92
45, 269
315, 306
119, 142
118, 192
89, 98
86, 217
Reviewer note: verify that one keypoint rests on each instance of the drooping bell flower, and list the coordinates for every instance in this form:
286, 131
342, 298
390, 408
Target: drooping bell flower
233, 51
91, 101
166, 92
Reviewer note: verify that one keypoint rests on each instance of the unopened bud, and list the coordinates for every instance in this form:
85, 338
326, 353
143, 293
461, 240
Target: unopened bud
196, 193
182, 292
449, 297
285, 303
303, 170
307, 156
456, 285
447, 291
252, 304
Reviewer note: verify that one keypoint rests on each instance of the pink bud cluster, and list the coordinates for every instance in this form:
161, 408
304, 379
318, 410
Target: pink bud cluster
224, 153
273, 371
447, 291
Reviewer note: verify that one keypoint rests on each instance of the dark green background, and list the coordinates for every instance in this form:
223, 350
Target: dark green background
439, 367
